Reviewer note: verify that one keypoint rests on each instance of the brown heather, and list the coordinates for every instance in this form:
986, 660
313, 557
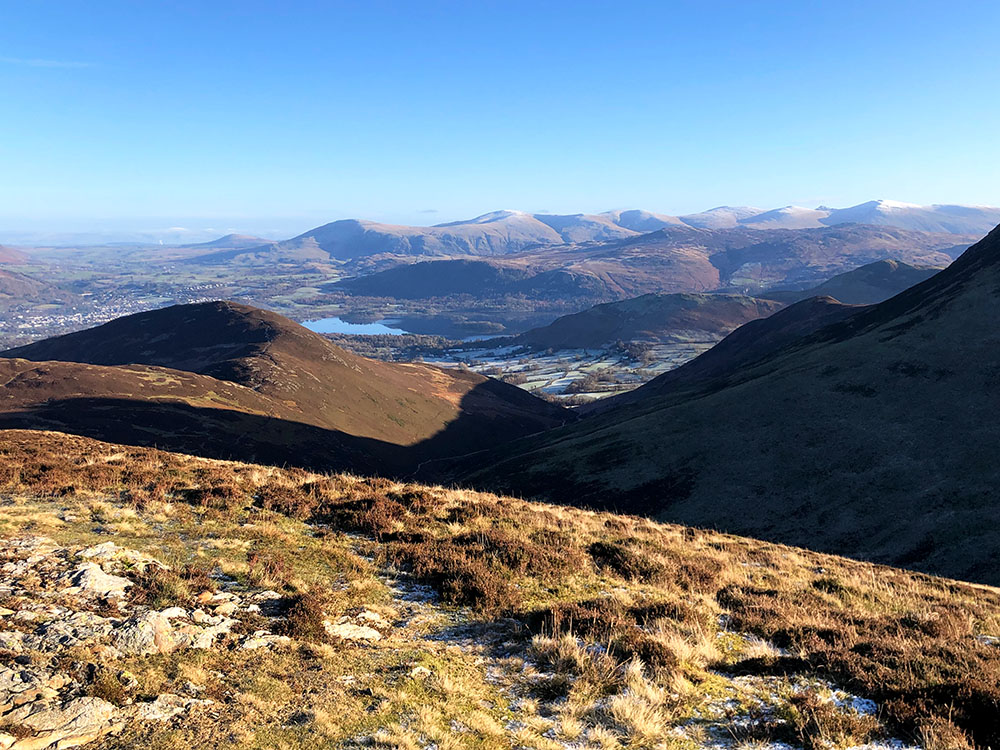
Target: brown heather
649, 594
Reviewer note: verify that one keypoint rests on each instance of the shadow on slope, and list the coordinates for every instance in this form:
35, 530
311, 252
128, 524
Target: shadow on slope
230, 434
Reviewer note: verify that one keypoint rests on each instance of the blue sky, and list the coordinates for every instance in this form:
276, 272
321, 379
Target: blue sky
275, 117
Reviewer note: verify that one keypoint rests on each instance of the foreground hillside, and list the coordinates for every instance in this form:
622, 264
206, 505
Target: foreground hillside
872, 437
165, 601
232, 381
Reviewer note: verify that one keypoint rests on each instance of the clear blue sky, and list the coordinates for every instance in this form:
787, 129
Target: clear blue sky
279, 116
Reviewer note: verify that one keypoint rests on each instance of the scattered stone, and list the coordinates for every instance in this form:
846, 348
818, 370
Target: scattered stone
191, 689
172, 613
12, 640
166, 706
128, 680
22, 686
110, 552
263, 639
206, 637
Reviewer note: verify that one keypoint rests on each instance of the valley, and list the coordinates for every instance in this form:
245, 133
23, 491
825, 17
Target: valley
331, 513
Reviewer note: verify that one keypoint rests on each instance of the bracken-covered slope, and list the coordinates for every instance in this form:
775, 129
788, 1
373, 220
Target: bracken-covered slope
875, 437
299, 375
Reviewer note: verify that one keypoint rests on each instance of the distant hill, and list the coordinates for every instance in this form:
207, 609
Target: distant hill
934, 218
866, 285
652, 318
231, 241
288, 373
875, 436
496, 233
444, 278
18, 289
663, 318
12, 255
670, 260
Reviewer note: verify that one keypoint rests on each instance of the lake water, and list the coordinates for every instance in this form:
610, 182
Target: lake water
336, 325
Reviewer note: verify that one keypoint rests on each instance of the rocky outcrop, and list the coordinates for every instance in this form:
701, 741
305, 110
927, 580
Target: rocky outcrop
65, 725
63, 598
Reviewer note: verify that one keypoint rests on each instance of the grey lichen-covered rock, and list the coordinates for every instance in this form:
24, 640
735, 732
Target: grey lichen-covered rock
109, 552
91, 578
346, 630
148, 633
65, 725
21, 685
71, 630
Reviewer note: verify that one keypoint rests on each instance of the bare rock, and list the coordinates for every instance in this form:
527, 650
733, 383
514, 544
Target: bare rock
360, 626
23, 685
66, 632
70, 724
91, 578
148, 633
111, 553
346, 630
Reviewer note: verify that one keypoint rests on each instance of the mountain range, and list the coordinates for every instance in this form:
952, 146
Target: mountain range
674, 259
504, 232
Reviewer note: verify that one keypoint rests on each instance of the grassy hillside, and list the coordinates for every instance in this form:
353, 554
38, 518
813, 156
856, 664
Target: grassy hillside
872, 437
404, 615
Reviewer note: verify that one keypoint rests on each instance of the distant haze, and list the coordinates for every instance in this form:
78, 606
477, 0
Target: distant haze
536, 227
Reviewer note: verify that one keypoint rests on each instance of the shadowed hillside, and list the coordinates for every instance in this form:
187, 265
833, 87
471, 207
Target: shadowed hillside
652, 317
260, 363
866, 285
741, 348
873, 437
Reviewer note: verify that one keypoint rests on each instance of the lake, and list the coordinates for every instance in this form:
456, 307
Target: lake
336, 325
